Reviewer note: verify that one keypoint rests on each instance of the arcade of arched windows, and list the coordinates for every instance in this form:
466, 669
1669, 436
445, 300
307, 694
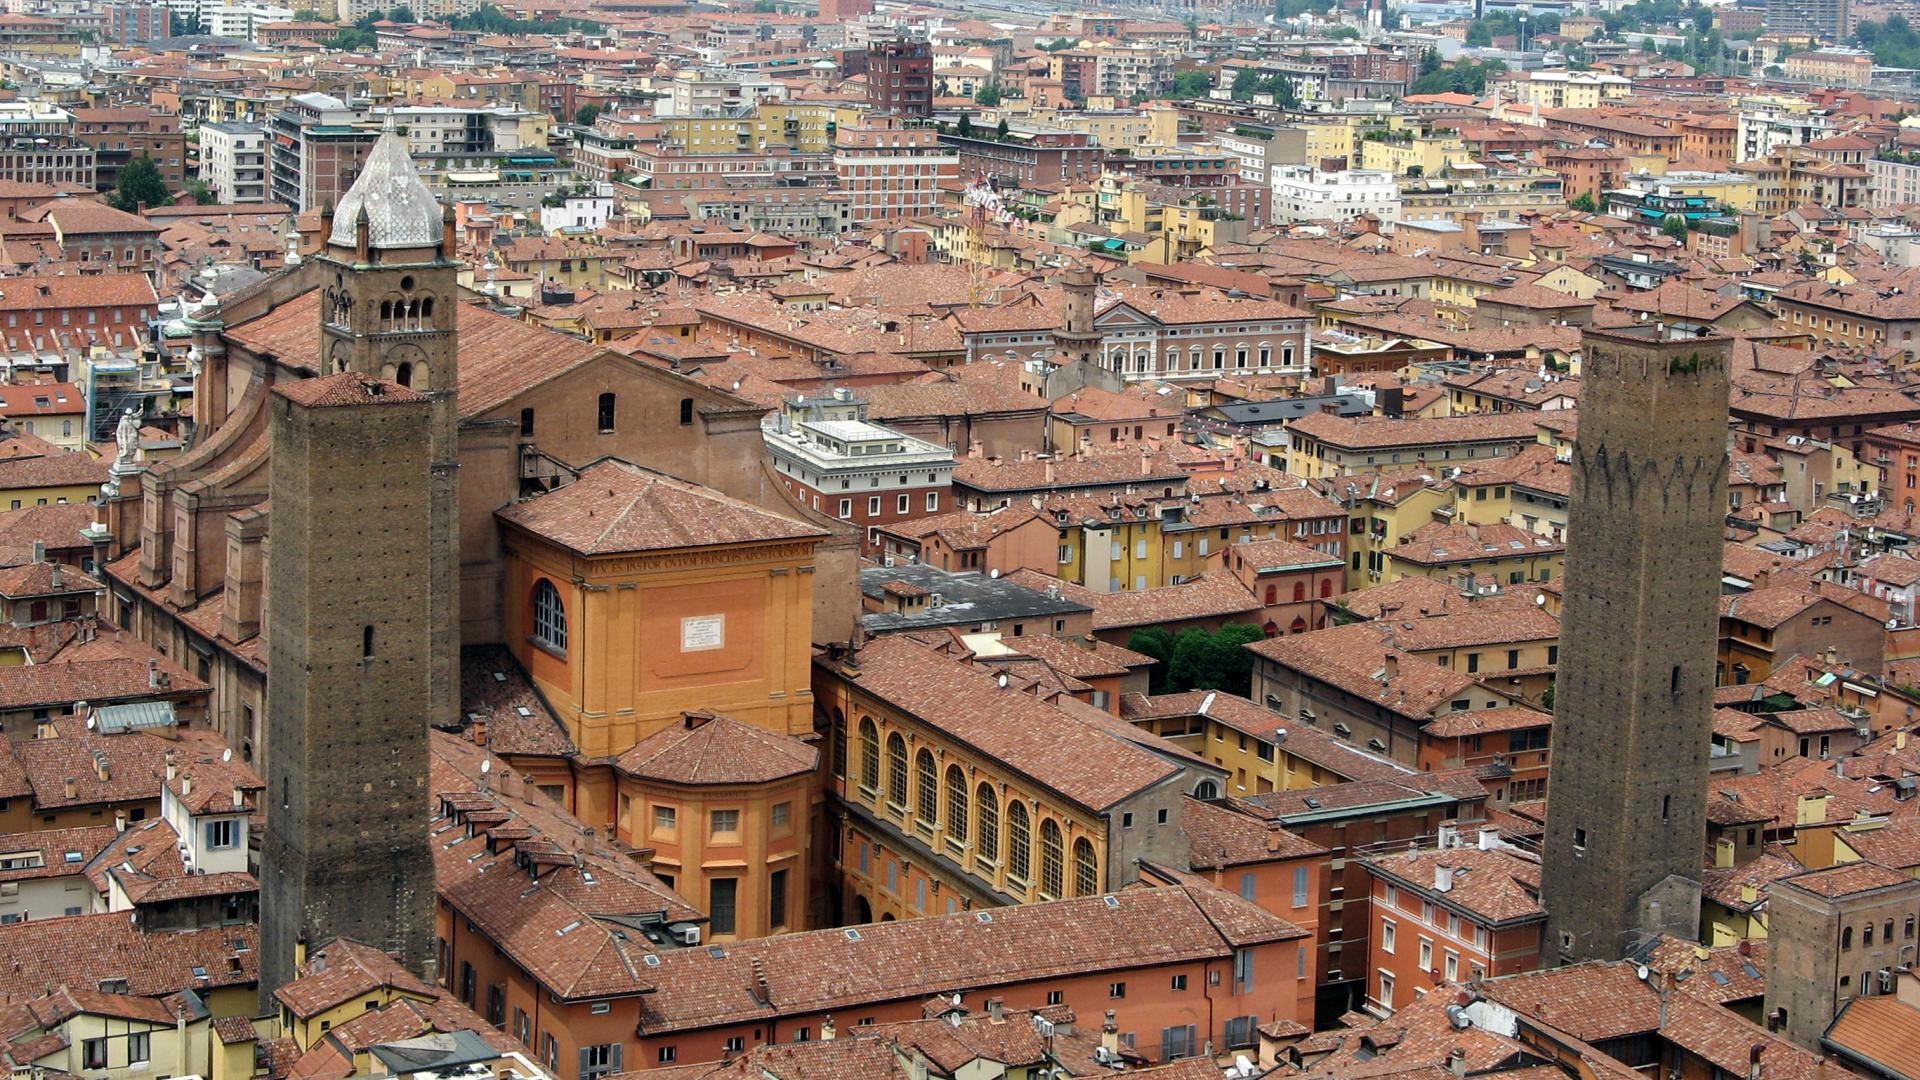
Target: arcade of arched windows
1007, 835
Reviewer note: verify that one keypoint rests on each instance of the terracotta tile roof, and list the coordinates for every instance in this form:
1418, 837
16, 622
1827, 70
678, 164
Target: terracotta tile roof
1272, 556
496, 692
44, 579
235, 1030
616, 508
62, 852
1846, 879
1469, 624
1725, 974
347, 388
341, 971
1460, 785
1356, 659
53, 293
499, 357
1337, 756
1895, 844
1218, 837
1439, 543
1496, 887
1127, 465
55, 468
708, 749
1377, 433
1882, 1032
825, 970
1214, 594
1079, 658
69, 679
1416, 593
963, 529
122, 768
1089, 765
1481, 721
91, 949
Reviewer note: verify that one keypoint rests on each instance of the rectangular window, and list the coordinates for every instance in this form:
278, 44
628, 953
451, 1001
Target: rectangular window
933, 501
873, 506
1117, 990
722, 895
664, 820
726, 824
1387, 931
777, 899
904, 504
93, 1054
846, 509
223, 834
139, 1047
1299, 886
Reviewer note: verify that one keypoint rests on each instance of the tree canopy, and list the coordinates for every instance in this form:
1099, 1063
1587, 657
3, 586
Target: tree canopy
1189, 85
1196, 659
585, 115
139, 186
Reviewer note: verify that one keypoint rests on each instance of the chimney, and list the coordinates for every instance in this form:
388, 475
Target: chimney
186, 786
1390, 668
1457, 1061
71, 787
1489, 838
1146, 463
1753, 1061
1110, 1033
1900, 740
57, 582
239, 799
478, 733
173, 769
119, 821
101, 768
153, 674
828, 1032
997, 1010
1442, 878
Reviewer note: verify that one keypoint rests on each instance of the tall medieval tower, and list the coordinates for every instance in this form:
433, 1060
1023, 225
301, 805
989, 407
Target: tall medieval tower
1076, 337
362, 636
1626, 810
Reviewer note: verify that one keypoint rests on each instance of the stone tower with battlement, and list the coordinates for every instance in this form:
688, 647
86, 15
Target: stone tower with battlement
362, 599
1626, 805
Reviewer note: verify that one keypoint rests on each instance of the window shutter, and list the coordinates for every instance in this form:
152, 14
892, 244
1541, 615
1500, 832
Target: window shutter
616, 1056
586, 1064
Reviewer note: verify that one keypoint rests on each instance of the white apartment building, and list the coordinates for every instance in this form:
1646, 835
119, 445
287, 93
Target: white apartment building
1304, 193
577, 213
1767, 128
233, 162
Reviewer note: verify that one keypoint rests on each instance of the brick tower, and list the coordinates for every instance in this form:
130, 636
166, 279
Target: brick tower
1076, 338
362, 635
1626, 807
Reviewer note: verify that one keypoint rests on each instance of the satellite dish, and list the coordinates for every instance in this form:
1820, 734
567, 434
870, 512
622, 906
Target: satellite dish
486, 766
1540, 600
1641, 972
89, 723
994, 573
226, 755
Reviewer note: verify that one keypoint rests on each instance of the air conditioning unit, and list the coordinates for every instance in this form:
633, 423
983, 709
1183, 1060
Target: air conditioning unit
689, 935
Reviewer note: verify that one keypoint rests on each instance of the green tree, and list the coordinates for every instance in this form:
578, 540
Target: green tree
1675, 226
1479, 33
989, 95
1002, 130
1157, 643
1213, 661
307, 15
1584, 203
139, 186
187, 26
1246, 82
965, 128
1189, 85
401, 14
199, 190
585, 115
1546, 698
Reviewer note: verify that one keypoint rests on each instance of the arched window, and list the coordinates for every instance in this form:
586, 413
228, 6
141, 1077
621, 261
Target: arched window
869, 754
1866, 936
896, 769
1273, 594
549, 616
1053, 859
386, 313
1206, 789
1299, 591
1846, 937
426, 308
403, 374
956, 804
839, 745
686, 410
986, 848
1019, 842
1086, 868
606, 414
927, 803
1326, 587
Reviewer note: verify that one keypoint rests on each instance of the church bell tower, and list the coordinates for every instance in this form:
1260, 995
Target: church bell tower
363, 633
